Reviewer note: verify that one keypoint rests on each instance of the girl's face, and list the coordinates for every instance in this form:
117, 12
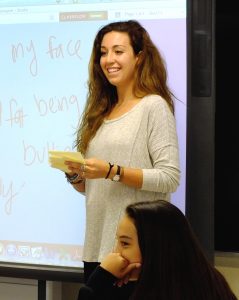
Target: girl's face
127, 241
118, 59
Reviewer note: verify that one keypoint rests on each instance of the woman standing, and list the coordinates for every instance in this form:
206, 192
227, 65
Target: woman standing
127, 134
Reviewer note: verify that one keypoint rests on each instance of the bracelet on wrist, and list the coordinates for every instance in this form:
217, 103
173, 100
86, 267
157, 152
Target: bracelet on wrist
68, 176
110, 167
72, 178
79, 181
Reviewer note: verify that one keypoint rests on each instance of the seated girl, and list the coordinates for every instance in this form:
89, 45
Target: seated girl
157, 256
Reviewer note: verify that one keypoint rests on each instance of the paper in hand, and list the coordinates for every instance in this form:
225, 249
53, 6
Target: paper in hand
57, 159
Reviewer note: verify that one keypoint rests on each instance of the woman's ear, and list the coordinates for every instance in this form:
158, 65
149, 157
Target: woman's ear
139, 53
138, 56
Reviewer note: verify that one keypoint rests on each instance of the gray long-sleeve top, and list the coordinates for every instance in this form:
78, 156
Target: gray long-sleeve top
145, 138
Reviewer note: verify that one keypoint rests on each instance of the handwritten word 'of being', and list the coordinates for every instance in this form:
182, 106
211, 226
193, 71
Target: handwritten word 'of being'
16, 114
54, 104
33, 155
9, 194
55, 50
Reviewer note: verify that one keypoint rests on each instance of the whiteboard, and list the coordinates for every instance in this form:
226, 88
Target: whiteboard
44, 57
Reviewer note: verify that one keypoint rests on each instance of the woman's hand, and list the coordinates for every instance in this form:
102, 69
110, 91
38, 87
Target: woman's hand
92, 168
118, 265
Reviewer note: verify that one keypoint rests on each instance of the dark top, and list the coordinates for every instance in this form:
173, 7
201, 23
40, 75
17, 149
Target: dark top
101, 286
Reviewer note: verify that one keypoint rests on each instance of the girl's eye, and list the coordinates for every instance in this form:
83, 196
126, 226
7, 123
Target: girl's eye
102, 53
118, 52
124, 244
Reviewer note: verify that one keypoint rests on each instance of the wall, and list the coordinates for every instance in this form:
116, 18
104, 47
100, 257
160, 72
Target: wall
13, 288
228, 265
27, 289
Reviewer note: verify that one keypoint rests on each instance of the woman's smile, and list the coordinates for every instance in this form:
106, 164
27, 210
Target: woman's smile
118, 59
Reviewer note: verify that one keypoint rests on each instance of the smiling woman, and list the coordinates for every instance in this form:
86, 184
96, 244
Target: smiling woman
131, 153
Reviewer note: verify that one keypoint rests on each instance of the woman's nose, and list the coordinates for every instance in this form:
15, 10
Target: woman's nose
110, 57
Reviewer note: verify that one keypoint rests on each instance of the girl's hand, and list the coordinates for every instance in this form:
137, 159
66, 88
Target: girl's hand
133, 275
92, 168
118, 265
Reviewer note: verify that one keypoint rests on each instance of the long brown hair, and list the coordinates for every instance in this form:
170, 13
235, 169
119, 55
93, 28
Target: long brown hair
151, 78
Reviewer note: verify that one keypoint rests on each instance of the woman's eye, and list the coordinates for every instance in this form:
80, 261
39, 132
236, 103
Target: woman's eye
118, 52
102, 53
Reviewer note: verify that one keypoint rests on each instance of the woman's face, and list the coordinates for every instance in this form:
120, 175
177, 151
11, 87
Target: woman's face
118, 59
127, 241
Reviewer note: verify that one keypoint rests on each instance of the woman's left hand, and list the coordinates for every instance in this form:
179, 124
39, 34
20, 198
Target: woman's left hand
92, 168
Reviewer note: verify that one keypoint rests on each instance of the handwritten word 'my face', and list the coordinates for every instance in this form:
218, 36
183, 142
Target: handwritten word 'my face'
55, 50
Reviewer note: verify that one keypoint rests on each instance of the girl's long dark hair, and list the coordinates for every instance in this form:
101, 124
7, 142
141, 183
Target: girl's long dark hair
174, 264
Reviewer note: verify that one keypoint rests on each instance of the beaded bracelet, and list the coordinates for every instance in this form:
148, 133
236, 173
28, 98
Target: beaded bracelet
71, 178
79, 181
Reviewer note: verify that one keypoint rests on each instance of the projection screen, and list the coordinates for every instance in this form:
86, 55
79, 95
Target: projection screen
44, 55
